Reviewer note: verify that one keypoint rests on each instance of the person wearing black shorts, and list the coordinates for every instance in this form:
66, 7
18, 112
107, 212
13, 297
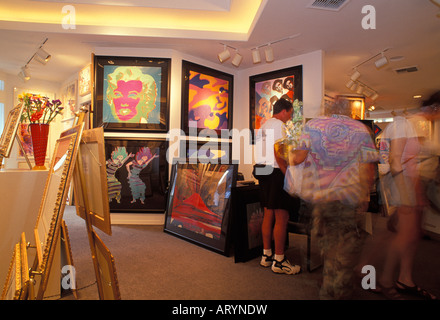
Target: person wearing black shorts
269, 171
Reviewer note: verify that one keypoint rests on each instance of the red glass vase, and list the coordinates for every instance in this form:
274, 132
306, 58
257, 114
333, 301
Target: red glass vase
39, 135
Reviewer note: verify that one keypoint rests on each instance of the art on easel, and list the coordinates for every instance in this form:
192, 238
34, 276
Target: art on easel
48, 226
10, 133
17, 281
93, 160
109, 289
92, 204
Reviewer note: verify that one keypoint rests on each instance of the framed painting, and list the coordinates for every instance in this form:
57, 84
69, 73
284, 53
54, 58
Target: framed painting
85, 80
108, 280
10, 130
131, 93
137, 174
199, 204
265, 89
70, 102
90, 180
17, 283
48, 226
248, 217
207, 97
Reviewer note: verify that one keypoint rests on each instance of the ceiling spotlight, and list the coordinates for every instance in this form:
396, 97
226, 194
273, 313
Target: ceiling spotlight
237, 59
371, 108
360, 90
349, 84
42, 56
24, 74
374, 96
224, 55
256, 58
381, 62
355, 75
269, 54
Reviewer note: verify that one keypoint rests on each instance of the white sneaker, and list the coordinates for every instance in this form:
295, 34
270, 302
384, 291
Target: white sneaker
285, 267
266, 261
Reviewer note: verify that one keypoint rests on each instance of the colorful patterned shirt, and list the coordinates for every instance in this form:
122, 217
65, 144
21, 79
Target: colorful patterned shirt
337, 146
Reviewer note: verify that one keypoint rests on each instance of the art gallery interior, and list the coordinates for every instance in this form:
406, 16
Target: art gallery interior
381, 56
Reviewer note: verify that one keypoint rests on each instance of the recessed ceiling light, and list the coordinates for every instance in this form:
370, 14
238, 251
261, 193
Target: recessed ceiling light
397, 58
417, 96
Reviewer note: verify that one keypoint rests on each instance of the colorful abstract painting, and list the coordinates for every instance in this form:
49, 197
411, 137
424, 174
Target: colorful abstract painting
206, 98
199, 203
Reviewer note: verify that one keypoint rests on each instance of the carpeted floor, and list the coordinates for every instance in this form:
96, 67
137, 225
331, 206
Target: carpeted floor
153, 265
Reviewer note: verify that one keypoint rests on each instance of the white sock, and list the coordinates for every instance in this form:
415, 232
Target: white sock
267, 252
279, 257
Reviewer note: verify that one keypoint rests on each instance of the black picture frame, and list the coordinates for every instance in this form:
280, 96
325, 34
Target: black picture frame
262, 95
150, 188
248, 218
199, 204
218, 98
142, 79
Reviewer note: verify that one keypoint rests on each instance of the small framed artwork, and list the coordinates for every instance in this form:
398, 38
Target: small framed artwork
90, 181
10, 130
267, 88
17, 282
207, 97
137, 174
199, 204
85, 80
248, 217
131, 93
108, 285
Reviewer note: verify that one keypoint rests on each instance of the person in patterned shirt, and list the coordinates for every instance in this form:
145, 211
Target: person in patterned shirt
339, 156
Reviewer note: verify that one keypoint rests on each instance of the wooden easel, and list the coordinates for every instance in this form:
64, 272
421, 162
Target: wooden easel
92, 236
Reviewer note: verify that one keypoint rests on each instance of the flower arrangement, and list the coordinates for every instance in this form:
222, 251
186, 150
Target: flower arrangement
38, 109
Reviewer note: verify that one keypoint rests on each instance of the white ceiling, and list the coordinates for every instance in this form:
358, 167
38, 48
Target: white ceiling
407, 28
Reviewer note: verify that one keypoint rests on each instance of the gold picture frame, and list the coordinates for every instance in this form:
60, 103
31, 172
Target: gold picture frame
47, 228
90, 180
17, 281
10, 132
108, 286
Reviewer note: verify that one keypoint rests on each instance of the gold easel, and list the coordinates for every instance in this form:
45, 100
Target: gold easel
103, 261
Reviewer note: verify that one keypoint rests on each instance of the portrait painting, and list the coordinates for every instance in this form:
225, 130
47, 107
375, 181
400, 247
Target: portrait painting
132, 93
206, 99
267, 88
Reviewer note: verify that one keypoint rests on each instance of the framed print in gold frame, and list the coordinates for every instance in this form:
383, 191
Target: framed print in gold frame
108, 286
91, 180
48, 226
17, 281
10, 130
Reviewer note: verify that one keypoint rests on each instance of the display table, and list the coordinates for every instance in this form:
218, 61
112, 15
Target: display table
21, 192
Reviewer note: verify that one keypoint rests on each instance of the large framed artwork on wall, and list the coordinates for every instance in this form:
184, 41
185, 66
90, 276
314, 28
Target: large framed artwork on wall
207, 96
137, 174
265, 89
199, 204
131, 93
